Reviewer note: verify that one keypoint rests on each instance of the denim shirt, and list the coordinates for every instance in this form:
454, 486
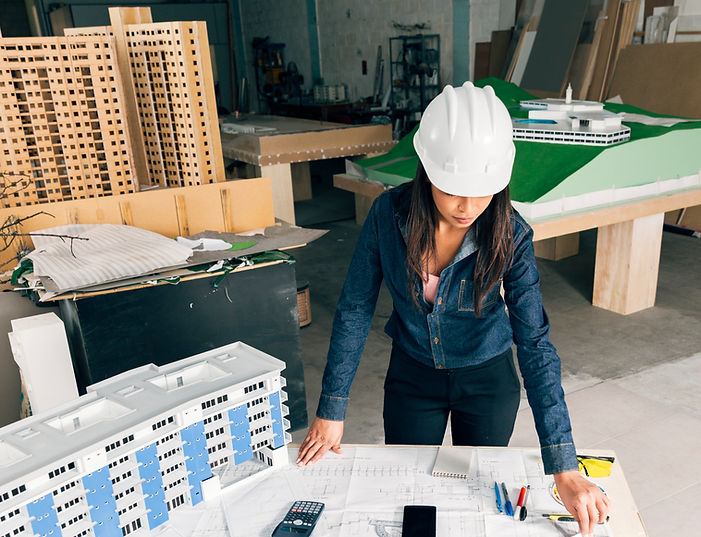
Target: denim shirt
448, 334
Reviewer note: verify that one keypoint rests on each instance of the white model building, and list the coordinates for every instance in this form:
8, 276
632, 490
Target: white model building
567, 121
117, 460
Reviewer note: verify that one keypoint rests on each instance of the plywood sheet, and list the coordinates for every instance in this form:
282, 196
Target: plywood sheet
554, 45
609, 37
524, 53
234, 206
482, 54
663, 78
498, 52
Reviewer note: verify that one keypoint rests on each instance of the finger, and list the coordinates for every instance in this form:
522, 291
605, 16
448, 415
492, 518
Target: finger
582, 516
593, 517
307, 440
337, 449
319, 453
304, 448
314, 453
602, 504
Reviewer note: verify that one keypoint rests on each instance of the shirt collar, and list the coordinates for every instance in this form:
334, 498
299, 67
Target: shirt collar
401, 214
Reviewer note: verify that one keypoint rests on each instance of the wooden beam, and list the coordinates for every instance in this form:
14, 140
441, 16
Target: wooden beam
627, 264
283, 200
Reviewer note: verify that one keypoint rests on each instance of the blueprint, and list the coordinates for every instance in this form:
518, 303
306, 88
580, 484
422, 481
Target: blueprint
365, 490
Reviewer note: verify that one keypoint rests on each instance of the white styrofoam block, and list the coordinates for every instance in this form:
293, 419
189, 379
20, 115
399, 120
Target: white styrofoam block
211, 487
40, 348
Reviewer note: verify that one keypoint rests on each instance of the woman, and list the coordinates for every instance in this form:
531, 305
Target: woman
445, 245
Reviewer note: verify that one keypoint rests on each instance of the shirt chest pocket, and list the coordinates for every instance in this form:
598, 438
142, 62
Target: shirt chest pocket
465, 301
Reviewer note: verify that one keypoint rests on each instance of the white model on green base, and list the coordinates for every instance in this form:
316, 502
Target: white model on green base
567, 121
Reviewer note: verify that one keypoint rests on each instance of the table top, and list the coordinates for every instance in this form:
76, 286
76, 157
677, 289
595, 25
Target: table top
563, 224
282, 140
365, 489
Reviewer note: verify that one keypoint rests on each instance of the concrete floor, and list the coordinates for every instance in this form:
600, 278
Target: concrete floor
631, 381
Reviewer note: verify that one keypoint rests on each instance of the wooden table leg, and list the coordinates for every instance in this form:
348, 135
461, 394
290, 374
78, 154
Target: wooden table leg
301, 181
627, 264
557, 248
281, 180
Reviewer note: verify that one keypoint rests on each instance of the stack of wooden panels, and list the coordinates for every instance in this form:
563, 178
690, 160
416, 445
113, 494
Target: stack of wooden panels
556, 43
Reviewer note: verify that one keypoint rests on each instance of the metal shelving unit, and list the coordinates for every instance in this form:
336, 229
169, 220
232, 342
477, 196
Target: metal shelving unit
415, 74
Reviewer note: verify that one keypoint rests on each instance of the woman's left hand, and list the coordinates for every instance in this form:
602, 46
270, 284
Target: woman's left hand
583, 499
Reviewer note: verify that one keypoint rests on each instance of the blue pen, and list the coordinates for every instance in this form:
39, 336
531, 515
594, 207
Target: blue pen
496, 491
508, 508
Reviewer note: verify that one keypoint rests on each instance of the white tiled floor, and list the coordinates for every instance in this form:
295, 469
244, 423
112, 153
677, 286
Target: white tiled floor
652, 420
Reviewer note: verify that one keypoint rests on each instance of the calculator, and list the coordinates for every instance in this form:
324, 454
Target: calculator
300, 519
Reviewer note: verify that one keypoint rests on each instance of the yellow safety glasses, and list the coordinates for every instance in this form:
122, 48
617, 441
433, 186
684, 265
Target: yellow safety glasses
595, 466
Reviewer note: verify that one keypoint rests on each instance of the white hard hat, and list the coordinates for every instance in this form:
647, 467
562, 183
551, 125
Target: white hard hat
465, 141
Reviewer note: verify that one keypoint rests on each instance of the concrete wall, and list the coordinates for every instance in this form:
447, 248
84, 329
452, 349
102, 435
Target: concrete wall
487, 16
350, 31
284, 21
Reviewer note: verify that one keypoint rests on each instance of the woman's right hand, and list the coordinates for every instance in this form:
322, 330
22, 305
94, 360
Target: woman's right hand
322, 436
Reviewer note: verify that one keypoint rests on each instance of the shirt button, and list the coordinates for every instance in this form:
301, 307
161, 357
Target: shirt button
440, 300
435, 340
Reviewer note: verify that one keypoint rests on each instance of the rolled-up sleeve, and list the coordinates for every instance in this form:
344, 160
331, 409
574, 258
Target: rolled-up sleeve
352, 320
538, 360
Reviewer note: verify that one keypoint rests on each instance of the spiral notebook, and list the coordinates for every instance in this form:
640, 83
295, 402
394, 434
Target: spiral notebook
453, 461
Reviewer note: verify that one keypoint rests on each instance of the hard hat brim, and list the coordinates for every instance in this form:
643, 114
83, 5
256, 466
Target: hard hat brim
472, 185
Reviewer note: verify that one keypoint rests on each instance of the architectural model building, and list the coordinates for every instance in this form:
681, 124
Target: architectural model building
63, 128
567, 121
119, 459
167, 71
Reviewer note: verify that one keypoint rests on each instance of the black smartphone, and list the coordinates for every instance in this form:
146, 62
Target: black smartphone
419, 521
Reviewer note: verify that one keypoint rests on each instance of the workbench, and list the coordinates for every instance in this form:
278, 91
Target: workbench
365, 489
281, 148
628, 243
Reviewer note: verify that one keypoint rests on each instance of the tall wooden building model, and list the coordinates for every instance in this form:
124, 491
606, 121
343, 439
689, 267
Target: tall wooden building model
63, 126
140, 445
104, 110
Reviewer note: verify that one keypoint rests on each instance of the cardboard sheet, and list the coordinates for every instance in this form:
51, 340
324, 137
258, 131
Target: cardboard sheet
674, 88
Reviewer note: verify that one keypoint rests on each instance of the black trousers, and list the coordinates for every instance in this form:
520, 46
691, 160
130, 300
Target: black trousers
482, 401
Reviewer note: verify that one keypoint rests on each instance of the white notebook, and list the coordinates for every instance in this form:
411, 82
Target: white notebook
453, 461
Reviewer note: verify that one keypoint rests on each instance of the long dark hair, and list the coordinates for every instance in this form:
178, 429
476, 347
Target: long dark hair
492, 232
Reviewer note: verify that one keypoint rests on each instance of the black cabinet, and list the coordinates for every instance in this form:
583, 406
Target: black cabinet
118, 331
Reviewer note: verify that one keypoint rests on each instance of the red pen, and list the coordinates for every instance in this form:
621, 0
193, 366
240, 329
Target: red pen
519, 503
